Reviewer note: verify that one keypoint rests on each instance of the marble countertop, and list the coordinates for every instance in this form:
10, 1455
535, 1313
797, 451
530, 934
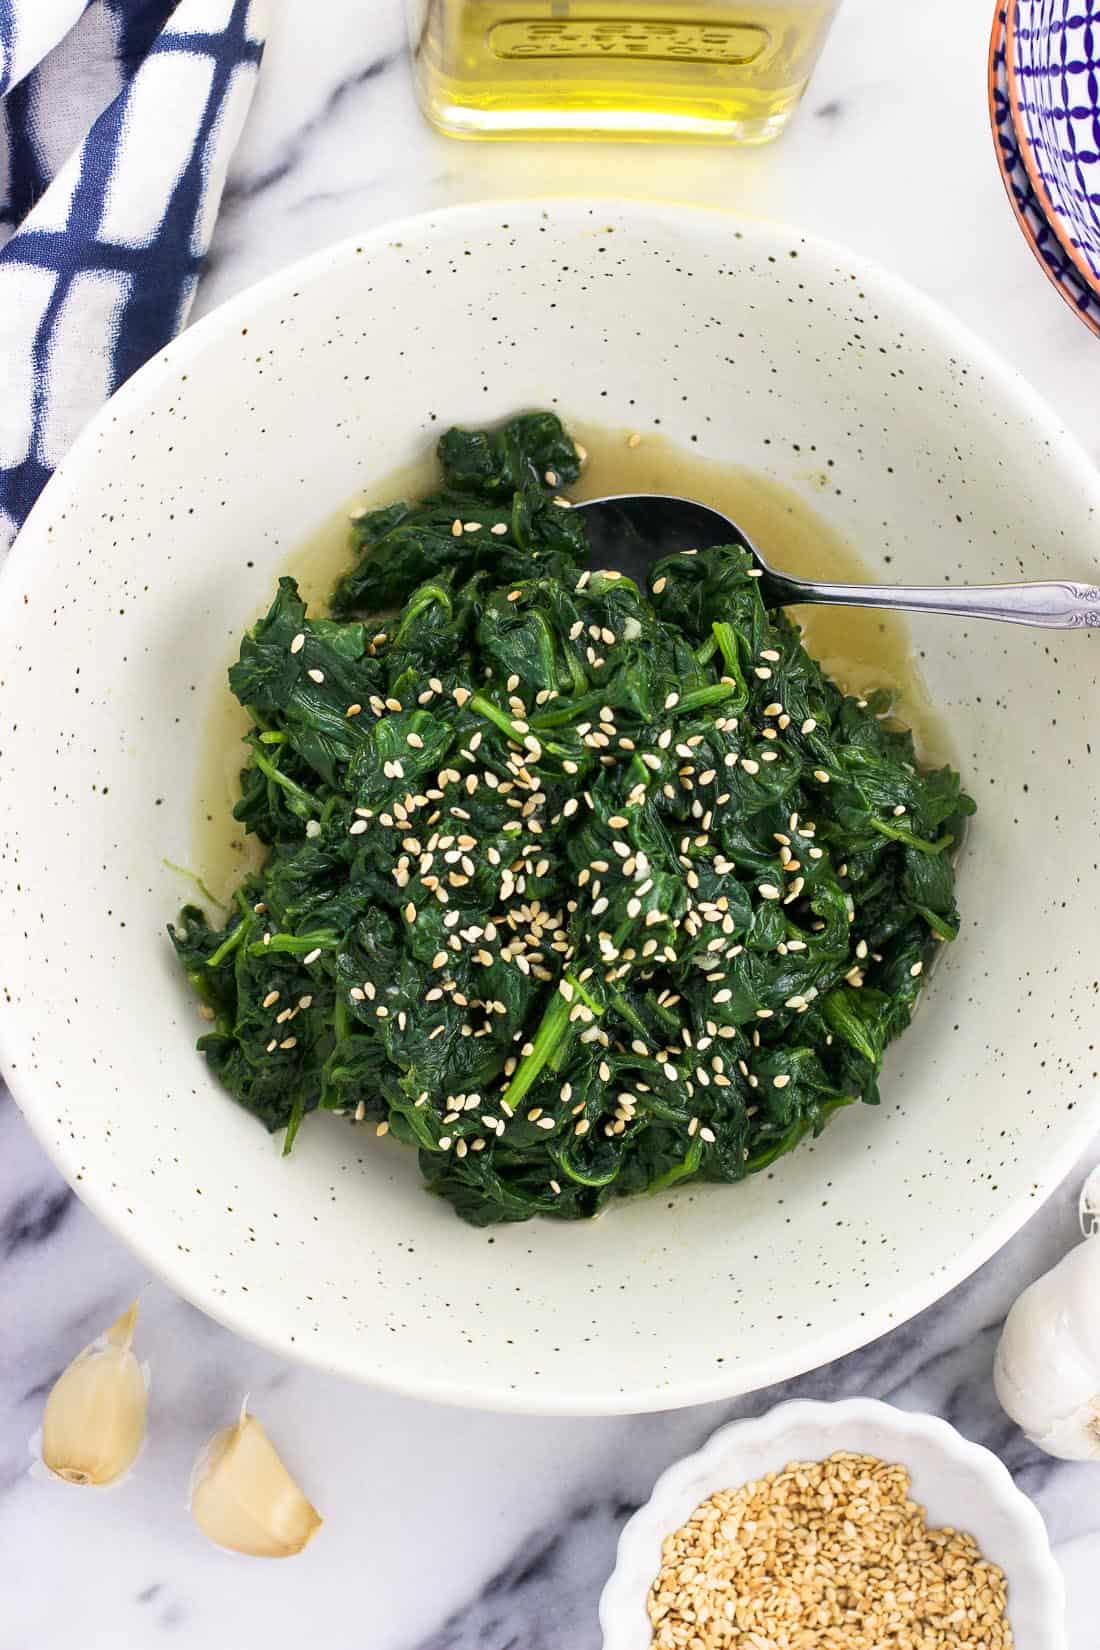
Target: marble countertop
449, 1530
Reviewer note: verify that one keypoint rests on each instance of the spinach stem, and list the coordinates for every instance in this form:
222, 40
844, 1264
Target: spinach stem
228, 945
494, 714
898, 833
504, 722
712, 695
553, 1028
292, 789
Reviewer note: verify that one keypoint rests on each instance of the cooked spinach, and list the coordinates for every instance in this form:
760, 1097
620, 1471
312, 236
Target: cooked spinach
581, 890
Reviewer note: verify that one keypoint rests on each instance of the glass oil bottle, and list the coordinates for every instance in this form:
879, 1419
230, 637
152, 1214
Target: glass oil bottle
728, 69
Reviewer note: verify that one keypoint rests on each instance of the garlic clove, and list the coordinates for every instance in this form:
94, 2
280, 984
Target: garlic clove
243, 1497
94, 1422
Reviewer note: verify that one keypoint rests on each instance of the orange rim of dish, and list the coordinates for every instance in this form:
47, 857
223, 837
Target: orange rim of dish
995, 38
1054, 218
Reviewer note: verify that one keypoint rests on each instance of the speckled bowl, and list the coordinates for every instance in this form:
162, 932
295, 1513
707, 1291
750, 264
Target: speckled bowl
959, 1483
159, 539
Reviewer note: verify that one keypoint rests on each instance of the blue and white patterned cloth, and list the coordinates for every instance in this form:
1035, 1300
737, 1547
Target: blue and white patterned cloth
117, 122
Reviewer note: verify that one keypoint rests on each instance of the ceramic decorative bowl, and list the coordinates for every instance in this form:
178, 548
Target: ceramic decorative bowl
1030, 211
160, 539
1053, 67
959, 1483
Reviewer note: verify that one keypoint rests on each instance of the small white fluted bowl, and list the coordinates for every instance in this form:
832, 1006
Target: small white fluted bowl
960, 1484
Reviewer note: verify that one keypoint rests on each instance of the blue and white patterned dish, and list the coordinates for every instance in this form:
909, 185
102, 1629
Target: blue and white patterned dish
1053, 66
1044, 243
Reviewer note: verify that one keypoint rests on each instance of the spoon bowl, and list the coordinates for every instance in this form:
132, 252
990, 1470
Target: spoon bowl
631, 531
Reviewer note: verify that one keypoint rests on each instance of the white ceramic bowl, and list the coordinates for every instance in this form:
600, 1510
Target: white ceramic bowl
159, 540
958, 1482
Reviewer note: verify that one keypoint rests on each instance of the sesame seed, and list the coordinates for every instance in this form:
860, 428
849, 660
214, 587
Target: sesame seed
821, 776
916, 968
311, 956
832, 1552
357, 827
316, 675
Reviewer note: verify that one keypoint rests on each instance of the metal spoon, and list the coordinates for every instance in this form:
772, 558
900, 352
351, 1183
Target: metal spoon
632, 530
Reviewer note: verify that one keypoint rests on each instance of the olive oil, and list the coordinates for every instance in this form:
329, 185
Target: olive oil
858, 647
732, 69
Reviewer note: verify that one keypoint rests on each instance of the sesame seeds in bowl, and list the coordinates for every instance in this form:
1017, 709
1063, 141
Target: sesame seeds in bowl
351, 366
855, 1522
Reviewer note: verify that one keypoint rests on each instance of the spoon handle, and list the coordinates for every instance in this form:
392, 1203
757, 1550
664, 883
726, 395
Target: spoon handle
1056, 605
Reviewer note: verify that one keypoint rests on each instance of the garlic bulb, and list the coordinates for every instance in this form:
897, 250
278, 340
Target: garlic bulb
95, 1415
1047, 1370
242, 1496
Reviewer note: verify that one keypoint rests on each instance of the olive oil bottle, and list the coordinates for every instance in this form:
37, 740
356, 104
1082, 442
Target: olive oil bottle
730, 69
